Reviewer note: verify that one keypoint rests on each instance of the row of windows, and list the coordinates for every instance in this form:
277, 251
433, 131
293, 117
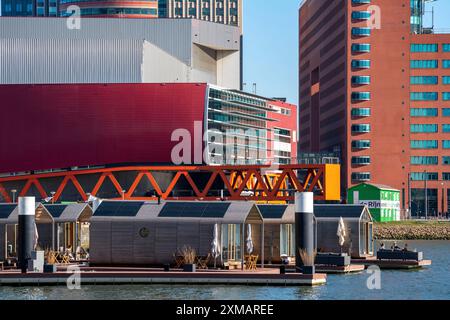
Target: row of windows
429, 160
429, 128
434, 47
429, 112
429, 64
429, 176
109, 11
429, 144
429, 80
429, 96
361, 32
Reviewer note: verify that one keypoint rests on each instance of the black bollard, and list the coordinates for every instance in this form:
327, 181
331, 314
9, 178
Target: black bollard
26, 231
304, 226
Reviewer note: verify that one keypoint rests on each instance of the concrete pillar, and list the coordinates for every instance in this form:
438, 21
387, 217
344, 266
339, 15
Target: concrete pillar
304, 225
27, 209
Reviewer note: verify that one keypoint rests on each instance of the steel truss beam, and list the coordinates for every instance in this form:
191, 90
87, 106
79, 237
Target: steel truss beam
264, 183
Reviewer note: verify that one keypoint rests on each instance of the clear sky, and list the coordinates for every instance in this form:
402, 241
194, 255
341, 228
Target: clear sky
271, 44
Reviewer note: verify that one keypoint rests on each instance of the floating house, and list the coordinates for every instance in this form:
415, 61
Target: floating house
9, 219
140, 233
279, 223
71, 226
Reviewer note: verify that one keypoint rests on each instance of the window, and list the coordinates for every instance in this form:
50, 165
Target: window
361, 47
446, 160
446, 112
360, 128
446, 128
361, 80
360, 1
424, 96
426, 161
446, 47
446, 64
361, 161
361, 64
361, 31
361, 176
446, 96
424, 64
361, 15
424, 128
415, 47
360, 96
446, 80
446, 144
361, 144
424, 144
446, 176
8, 7
361, 112
427, 80
422, 176
424, 112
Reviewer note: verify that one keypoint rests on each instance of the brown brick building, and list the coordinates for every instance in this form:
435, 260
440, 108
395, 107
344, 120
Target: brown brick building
375, 87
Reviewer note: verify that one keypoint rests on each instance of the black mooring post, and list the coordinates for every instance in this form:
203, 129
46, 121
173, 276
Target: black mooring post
26, 231
304, 226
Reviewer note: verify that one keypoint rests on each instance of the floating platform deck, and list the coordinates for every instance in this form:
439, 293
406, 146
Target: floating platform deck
260, 277
352, 268
393, 264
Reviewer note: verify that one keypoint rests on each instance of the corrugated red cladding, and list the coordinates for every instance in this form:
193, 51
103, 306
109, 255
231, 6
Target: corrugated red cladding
57, 126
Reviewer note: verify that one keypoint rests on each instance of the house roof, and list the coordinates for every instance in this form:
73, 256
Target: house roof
378, 186
236, 212
9, 214
70, 212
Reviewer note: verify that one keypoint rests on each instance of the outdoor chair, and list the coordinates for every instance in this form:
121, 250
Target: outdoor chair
202, 262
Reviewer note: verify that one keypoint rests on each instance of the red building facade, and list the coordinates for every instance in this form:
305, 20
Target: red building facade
367, 73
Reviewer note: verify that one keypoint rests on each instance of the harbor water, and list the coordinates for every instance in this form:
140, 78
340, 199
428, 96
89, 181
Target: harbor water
430, 283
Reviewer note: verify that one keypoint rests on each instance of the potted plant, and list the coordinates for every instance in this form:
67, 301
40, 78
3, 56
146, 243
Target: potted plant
308, 261
189, 256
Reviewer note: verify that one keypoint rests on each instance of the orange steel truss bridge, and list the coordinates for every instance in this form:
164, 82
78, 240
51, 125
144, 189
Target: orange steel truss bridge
248, 183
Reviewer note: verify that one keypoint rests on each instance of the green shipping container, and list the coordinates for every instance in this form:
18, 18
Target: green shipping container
383, 201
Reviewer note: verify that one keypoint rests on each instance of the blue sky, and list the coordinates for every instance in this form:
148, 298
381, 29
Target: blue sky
271, 45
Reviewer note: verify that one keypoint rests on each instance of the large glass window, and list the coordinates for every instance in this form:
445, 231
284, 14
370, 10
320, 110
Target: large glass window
287, 240
446, 96
361, 161
424, 144
424, 80
424, 112
360, 96
422, 176
446, 80
446, 47
361, 64
446, 144
361, 47
424, 96
427, 161
446, 64
361, 112
361, 15
361, 128
424, 64
446, 160
231, 242
361, 144
446, 112
361, 176
424, 128
421, 47
420, 207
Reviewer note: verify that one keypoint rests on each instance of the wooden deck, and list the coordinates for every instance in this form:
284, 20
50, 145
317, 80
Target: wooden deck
260, 277
393, 264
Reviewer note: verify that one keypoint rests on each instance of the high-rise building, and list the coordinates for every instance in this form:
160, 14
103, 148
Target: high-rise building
37, 8
221, 11
375, 87
111, 8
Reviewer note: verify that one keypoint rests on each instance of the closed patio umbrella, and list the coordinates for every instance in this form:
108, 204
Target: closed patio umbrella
341, 232
215, 247
249, 241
